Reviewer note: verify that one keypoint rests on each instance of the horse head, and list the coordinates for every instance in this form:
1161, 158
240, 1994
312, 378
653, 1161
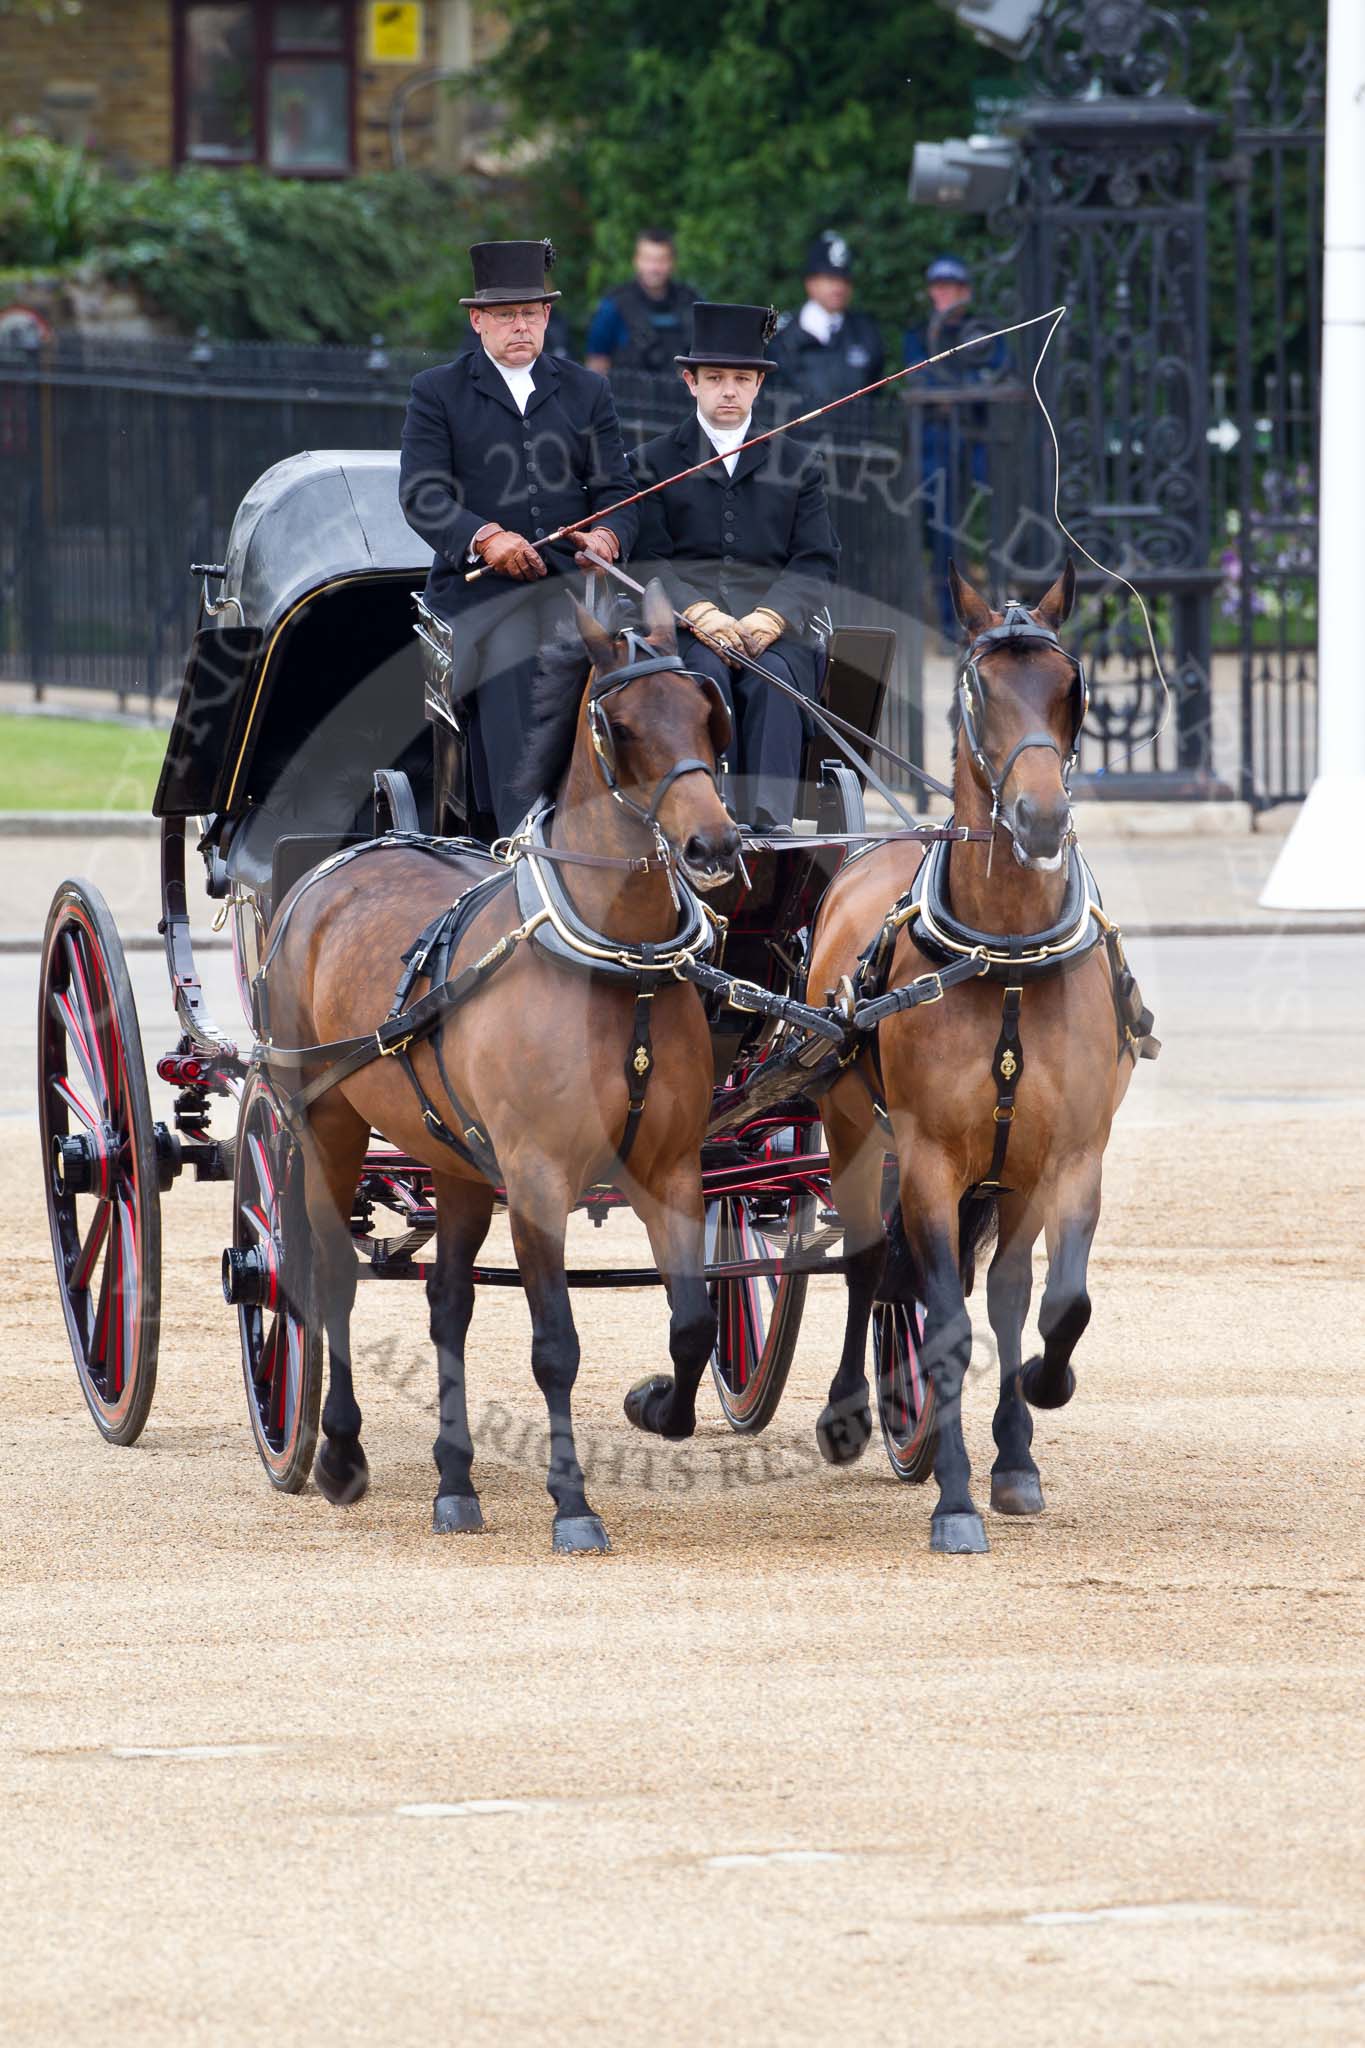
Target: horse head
656, 733
1020, 704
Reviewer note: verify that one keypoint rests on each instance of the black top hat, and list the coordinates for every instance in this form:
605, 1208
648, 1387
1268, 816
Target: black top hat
828, 256
730, 337
506, 273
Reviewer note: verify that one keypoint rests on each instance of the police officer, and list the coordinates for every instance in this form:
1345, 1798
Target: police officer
641, 325
953, 439
501, 447
828, 349
745, 548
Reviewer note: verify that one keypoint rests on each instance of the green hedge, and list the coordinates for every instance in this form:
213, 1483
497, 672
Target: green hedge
252, 257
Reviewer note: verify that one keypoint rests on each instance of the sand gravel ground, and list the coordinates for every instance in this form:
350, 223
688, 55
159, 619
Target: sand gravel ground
773, 1772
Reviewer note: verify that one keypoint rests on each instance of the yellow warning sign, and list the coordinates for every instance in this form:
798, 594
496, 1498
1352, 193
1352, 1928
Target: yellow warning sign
394, 31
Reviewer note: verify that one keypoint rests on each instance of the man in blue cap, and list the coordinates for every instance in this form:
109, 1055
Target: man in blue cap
952, 437
827, 349
948, 288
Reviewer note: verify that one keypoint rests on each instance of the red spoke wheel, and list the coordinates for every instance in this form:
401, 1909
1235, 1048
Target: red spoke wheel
99, 1161
758, 1318
265, 1278
905, 1395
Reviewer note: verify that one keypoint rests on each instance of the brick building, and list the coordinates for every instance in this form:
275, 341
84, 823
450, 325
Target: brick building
306, 88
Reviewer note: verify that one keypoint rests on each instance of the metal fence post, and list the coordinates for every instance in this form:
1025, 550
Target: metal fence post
37, 606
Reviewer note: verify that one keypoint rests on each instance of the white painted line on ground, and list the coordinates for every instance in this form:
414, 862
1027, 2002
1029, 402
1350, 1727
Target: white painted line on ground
469, 1809
194, 1752
1143, 1915
744, 1860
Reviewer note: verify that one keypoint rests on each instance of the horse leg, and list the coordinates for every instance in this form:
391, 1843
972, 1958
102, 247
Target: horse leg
673, 1215
539, 1214
845, 1422
929, 1213
464, 1210
1073, 1211
1015, 1485
335, 1153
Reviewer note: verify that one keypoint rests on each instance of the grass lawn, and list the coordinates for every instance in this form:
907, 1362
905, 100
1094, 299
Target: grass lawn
75, 764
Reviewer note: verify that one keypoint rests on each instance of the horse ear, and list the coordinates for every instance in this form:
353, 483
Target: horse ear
719, 724
599, 644
1055, 608
973, 612
659, 627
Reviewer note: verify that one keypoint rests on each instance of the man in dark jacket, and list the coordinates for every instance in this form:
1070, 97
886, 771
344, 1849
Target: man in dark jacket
500, 448
952, 439
641, 325
828, 348
746, 550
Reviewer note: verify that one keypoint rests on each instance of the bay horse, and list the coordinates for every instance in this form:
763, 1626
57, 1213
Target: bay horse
999, 1097
533, 1069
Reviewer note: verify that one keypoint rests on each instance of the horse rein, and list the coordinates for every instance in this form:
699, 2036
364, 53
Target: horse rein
1017, 626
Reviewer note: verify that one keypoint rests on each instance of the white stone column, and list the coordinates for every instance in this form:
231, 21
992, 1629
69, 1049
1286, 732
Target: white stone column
1322, 866
1323, 863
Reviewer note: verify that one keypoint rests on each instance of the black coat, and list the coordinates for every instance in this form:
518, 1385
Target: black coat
469, 457
761, 537
820, 370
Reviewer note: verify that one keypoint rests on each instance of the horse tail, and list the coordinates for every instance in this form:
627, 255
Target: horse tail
978, 1219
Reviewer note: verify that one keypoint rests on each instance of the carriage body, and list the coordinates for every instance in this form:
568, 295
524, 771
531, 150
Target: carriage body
300, 732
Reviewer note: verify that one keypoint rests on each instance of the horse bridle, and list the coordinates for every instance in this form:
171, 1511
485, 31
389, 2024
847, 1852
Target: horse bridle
604, 742
1017, 626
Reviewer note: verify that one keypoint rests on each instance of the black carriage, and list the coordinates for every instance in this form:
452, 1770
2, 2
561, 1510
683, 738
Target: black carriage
298, 734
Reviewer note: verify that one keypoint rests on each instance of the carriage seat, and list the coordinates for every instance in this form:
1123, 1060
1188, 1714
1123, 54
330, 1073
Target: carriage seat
853, 686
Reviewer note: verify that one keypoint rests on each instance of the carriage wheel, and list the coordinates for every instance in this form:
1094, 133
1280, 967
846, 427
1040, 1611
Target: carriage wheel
265, 1278
905, 1395
99, 1161
758, 1320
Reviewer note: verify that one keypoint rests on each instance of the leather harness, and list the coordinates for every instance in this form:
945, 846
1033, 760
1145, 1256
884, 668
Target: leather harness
1010, 958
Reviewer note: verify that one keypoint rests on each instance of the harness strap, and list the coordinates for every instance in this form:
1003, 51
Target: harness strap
868, 1013
474, 1146
639, 1067
762, 1002
1007, 1064
1131, 1014
346, 1056
690, 766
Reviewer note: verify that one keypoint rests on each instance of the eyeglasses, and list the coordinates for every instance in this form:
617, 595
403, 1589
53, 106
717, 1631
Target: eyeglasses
505, 316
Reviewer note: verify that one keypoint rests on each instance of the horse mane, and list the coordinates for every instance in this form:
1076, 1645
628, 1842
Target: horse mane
556, 693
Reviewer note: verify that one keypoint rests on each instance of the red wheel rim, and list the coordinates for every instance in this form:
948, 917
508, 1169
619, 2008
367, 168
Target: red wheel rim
278, 1350
99, 1163
905, 1396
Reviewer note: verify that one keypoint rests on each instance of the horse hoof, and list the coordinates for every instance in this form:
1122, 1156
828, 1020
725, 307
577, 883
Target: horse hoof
648, 1402
341, 1476
579, 1536
457, 1514
958, 1535
1016, 1493
842, 1433
1044, 1389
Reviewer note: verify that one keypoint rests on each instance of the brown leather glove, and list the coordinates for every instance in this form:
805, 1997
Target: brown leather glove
599, 541
716, 627
760, 628
509, 554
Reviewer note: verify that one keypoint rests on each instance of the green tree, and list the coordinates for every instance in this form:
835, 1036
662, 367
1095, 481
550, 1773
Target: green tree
749, 125
745, 125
